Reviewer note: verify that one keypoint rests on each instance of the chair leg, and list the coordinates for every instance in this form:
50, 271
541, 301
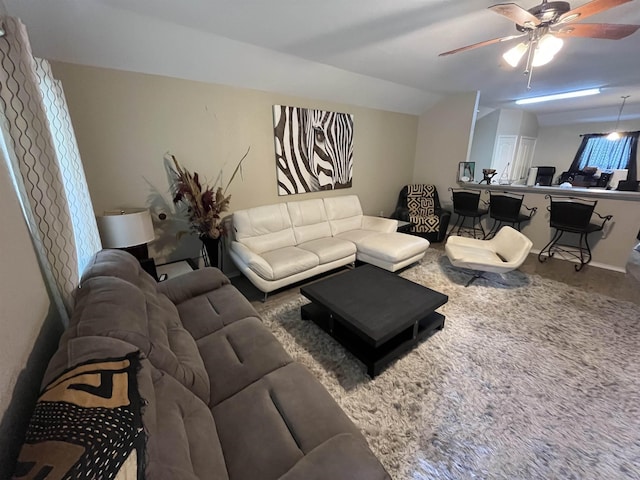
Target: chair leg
549, 246
481, 228
494, 229
459, 220
583, 262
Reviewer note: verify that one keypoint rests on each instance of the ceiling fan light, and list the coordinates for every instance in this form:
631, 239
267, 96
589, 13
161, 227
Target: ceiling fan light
515, 54
546, 49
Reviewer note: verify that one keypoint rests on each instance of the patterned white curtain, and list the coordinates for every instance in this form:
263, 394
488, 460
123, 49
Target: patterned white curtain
85, 229
37, 156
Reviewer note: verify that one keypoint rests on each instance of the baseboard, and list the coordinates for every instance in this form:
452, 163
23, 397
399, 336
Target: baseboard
605, 266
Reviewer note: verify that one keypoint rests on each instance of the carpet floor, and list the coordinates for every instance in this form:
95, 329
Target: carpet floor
530, 378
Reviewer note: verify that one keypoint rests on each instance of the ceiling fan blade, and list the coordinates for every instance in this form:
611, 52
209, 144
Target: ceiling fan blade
606, 31
588, 9
516, 14
482, 44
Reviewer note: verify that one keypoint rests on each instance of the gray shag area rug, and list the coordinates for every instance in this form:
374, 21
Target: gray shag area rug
530, 378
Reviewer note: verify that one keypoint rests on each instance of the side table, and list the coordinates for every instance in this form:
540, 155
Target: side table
176, 268
404, 227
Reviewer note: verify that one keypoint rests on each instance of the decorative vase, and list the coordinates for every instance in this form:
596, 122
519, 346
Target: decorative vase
211, 246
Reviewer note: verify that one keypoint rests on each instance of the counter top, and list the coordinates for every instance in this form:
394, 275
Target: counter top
556, 190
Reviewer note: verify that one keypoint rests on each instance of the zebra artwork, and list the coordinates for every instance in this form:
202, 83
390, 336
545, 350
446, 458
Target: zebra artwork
314, 149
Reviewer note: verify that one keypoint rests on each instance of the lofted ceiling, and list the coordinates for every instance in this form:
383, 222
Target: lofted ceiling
377, 53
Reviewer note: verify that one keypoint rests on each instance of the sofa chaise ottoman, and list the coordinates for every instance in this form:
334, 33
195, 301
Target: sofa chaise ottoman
216, 394
277, 245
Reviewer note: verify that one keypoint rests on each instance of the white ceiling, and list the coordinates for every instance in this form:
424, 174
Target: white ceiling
377, 53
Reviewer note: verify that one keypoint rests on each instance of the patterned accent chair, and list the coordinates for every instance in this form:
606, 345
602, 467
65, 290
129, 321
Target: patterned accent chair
420, 205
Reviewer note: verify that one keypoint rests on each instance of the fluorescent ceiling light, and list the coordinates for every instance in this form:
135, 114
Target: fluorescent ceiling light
558, 96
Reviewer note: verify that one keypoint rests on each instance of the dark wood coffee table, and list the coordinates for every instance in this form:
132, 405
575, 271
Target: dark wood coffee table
373, 313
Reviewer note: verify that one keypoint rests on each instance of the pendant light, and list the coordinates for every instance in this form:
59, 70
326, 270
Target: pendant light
615, 135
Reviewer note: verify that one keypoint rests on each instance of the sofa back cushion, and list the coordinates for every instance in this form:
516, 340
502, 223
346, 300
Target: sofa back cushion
309, 220
265, 228
344, 213
118, 299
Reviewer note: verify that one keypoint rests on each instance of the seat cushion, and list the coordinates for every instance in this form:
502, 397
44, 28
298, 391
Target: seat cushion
287, 261
392, 247
287, 413
329, 249
357, 235
183, 441
238, 355
211, 311
466, 256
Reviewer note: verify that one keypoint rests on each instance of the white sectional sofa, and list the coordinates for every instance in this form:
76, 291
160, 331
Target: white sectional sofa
277, 245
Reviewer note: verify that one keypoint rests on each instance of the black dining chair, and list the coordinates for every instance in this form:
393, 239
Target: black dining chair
572, 215
505, 208
466, 204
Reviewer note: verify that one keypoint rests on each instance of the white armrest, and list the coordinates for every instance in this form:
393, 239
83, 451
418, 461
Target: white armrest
252, 260
379, 224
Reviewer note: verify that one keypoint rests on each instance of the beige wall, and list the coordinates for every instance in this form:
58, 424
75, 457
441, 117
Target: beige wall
444, 140
26, 322
125, 122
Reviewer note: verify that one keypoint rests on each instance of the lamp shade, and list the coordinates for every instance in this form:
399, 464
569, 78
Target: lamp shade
125, 228
546, 49
515, 54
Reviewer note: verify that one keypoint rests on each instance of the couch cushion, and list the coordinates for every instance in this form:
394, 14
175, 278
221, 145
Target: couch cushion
287, 413
342, 457
287, 261
356, 236
120, 264
393, 247
210, 311
264, 228
309, 220
112, 307
238, 355
183, 441
329, 249
344, 213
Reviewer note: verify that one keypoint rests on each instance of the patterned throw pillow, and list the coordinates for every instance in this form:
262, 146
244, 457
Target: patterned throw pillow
421, 205
87, 424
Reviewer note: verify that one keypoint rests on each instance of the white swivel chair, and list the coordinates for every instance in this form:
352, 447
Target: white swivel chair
503, 253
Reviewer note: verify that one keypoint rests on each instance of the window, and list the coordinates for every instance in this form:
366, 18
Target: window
597, 150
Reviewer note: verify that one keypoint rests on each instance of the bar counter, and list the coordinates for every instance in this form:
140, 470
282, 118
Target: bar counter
610, 248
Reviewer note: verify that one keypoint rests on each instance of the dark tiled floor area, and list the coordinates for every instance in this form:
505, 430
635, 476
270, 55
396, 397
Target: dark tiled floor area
613, 284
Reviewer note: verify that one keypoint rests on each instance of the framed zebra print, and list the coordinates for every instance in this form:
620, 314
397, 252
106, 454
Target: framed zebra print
314, 149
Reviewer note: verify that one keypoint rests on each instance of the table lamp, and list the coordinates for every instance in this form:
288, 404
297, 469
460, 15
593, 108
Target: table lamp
129, 230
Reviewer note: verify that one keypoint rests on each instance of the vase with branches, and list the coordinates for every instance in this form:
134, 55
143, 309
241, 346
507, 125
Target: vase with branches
205, 203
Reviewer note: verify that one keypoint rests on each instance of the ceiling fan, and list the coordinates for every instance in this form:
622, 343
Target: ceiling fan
544, 26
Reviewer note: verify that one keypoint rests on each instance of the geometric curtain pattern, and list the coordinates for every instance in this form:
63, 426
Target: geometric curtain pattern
421, 205
85, 229
32, 155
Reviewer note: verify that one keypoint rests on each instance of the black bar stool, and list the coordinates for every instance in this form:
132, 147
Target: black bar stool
505, 209
572, 215
466, 204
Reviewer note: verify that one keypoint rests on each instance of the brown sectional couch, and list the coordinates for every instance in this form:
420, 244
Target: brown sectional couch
222, 399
